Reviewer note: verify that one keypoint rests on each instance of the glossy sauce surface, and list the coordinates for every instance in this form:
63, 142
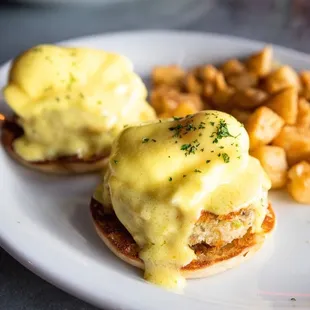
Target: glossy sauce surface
162, 175
73, 101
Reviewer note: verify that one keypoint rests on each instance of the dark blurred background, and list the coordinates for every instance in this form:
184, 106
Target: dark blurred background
30, 22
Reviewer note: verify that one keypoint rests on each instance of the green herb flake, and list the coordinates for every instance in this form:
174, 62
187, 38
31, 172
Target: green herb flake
145, 140
57, 99
115, 162
170, 179
99, 102
201, 125
221, 132
177, 118
184, 175
82, 96
197, 170
226, 158
207, 161
212, 123
154, 140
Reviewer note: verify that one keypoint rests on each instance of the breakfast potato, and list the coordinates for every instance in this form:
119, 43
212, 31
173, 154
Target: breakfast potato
221, 99
249, 98
232, 67
299, 182
296, 143
162, 99
192, 84
305, 84
243, 80
273, 160
263, 126
208, 90
208, 73
285, 104
261, 63
303, 116
241, 115
219, 82
172, 75
281, 78
184, 108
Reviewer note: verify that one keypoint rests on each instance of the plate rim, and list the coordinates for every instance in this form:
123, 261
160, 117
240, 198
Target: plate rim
38, 268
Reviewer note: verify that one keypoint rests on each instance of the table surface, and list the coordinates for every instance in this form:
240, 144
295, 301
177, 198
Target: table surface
282, 22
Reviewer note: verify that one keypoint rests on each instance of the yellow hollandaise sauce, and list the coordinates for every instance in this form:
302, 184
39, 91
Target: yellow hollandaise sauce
162, 175
73, 101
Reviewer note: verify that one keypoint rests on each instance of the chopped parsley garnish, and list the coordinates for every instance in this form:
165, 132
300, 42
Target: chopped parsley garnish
221, 147
202, 150
212, 123
177, 118
115, 162
177, 130
190, 148
201, 125
153, 140
145, 140
184, 175
207, 161
197, 170
221, 132
226, 158
57, 99
170, 179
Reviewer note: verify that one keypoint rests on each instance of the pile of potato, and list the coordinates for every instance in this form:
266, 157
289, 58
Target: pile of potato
272, 101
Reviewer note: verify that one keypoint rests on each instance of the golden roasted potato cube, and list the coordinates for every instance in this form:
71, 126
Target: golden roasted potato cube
273, 160
299, 182
281, 78
192, 84
303, 117
285, 103
241, 115
208, 90
185, 108
162, 99
232, 66
261, 63
208, 73
219, 82
242, 80
221, 99
249, 98
296, 143
172, 75
305, 84
263, 126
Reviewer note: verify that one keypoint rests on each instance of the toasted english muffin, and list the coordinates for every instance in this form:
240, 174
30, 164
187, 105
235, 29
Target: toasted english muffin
210, 259
63, 165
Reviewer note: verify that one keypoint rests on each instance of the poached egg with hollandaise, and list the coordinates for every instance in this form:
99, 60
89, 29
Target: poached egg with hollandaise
73, 101
182, 197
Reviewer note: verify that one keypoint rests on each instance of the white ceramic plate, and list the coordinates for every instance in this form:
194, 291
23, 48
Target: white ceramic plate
45, 221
